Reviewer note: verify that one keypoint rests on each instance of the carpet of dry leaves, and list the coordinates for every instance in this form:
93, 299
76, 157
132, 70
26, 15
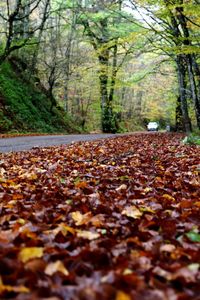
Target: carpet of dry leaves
114, 219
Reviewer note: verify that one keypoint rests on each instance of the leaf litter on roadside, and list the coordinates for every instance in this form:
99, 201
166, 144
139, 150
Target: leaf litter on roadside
113, 219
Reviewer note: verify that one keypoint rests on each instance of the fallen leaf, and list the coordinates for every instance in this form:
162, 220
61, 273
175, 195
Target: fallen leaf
121, 187
15, 289
132, 212
193, 236
167, 248
54, 267
81, 184
88, 235
168, 197
81, 219
122, 296
28, 253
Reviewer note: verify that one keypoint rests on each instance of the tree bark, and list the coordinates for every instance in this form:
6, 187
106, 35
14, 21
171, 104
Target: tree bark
179, 116
193, 88
181, 72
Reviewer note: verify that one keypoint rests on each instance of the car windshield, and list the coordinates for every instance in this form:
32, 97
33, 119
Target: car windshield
153, 124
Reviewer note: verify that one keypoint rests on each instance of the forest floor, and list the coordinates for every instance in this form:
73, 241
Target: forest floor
113, 219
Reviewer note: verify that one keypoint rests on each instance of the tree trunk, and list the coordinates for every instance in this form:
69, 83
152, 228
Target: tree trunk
182, 91
189, 59
32, 68
193, 88
179, 116
107, 115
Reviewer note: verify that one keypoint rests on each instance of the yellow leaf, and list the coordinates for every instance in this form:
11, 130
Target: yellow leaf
21, 221
65, 229
132, 212
147, 209
30, 252
81, 219
29, 176
147, 190
15, 289
127, 272
54, 267
88, 235
168, 197
122, 296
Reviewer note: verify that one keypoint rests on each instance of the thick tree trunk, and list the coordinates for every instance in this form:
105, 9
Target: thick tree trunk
189, 59
182, 91
193, 88
179, 116
107, 115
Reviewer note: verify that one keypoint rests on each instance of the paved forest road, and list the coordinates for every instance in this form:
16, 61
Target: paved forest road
28, 142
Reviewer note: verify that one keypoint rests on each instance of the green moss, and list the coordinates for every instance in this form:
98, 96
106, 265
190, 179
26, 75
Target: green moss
25, 107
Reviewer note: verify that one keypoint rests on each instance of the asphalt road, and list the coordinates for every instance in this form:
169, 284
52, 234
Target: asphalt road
27, 142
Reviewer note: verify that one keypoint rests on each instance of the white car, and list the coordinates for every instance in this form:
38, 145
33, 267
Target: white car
152, 126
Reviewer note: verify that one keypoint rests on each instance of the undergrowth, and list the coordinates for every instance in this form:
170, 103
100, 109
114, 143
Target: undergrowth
24, 107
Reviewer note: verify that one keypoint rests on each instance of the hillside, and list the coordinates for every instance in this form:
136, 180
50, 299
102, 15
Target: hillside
25, 107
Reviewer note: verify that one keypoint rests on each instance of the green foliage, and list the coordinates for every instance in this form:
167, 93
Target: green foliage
192, 139
25, 107
5, 123
193, 236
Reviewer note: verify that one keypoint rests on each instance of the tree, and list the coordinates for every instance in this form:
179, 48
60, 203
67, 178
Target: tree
168, 20
103, 27
18, 30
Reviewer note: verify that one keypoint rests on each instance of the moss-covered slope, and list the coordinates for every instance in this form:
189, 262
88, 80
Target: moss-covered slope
24, 107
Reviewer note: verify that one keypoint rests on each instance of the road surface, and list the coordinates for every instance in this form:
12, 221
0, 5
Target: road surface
27, 142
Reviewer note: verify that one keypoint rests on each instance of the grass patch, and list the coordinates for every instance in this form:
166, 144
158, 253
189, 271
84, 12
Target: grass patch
192, 139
